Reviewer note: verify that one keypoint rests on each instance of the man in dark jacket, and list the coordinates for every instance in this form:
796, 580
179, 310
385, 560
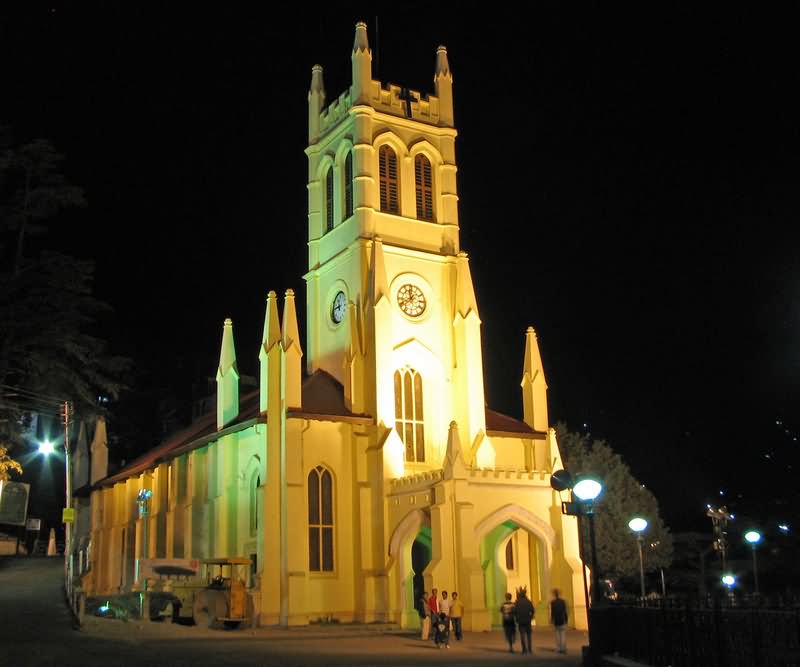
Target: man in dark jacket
558, 616
523, 612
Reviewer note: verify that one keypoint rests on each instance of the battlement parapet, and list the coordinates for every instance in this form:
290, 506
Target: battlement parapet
508, 475
334, 112
392, 99
419, 480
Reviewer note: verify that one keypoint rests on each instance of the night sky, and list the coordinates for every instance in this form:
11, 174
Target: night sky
628, 186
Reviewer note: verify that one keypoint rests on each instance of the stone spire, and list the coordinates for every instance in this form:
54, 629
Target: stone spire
378, 284
534, 387
454, 459
362, 66
443, 80
227, 379
294, 353
316, 103
465, 292
270, 338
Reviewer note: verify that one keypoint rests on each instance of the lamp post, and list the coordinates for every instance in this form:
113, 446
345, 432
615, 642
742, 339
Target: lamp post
46, 448
586, 490
753, 537
638, 526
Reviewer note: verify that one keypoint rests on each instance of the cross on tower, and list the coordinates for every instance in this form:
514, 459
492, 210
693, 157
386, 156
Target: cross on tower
408, 97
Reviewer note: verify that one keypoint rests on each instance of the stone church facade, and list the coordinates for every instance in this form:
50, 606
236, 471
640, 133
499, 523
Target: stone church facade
366, 467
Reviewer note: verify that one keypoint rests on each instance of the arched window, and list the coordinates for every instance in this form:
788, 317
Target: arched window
348, 185
390, 183
408, 413
510, 554
320, 520
424, 182
255, 482
329, 200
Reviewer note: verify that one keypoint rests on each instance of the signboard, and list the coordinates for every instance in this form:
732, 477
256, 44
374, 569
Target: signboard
14, 502
33, 525
168, 568
68, 515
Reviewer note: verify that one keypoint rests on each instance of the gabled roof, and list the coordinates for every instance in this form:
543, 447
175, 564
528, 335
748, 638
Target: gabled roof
323, 395
201, 427
499, 424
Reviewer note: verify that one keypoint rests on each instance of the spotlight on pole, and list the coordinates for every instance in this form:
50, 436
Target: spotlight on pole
729, 580
46, 448
638, 525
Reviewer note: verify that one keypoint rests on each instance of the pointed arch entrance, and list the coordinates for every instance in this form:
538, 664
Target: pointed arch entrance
410, 549
515, 551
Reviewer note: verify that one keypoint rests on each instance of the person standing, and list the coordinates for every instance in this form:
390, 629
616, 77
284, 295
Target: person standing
444, 606
558, 617
509, 625
424, 612
456, 614
523, 613
433, 606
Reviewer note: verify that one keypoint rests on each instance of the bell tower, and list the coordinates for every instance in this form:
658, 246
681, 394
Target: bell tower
391, 308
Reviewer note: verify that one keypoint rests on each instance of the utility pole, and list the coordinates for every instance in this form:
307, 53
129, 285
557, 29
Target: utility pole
66, 420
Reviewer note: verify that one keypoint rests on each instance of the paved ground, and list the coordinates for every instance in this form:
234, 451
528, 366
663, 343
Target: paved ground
37, 629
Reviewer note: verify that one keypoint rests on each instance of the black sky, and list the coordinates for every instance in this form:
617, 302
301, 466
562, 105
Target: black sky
627, 186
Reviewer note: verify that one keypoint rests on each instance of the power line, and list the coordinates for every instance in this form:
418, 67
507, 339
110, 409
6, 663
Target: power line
32, 394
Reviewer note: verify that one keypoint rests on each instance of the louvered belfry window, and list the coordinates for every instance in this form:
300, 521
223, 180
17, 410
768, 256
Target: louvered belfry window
408, 421
424, 182
390, 183
348, 185
320, 520
329, 200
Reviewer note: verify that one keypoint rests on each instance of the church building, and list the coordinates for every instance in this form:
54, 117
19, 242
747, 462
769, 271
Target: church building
367, 466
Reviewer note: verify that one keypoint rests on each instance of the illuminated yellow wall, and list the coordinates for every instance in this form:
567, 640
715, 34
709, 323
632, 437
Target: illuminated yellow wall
472, 486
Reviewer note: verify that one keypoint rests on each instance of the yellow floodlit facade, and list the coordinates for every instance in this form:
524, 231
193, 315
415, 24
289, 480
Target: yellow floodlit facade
366, 467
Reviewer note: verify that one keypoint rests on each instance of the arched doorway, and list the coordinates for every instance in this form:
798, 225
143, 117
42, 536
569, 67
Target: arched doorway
421, 553
512, 557
515, 551
411, 548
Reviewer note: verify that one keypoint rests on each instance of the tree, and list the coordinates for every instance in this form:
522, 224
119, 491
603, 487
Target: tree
46, 301
623, 498
7, 465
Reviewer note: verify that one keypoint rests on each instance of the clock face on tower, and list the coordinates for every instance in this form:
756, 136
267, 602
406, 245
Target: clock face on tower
338, 307
411, 300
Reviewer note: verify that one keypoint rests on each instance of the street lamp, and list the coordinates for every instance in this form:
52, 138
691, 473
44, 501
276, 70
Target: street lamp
754, 537
586, 490
638, 526
46, 448
729, 580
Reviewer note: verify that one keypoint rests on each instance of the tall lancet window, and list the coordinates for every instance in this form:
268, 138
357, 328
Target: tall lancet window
390, 183
329, 200
348, 185
408, 418
320, 520
424, 182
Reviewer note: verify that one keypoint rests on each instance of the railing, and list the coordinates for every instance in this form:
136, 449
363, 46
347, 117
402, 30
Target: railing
719, 633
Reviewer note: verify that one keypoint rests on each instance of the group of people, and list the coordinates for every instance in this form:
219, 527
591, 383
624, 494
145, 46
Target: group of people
518, 615
437, 615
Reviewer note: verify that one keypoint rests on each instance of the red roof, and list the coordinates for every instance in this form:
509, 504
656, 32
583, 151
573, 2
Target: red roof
496, 421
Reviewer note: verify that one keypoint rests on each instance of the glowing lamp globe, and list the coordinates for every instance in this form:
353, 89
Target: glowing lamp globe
587, 489
729, 580
637, 524
752, 536
46, 448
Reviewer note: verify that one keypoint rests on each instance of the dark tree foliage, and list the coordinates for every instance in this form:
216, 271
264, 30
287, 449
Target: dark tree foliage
47, 310
623, 498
